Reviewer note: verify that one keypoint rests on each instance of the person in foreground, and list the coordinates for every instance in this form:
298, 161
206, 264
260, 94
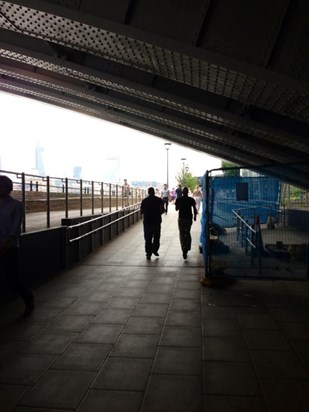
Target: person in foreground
11, 214
152, 208
185, 205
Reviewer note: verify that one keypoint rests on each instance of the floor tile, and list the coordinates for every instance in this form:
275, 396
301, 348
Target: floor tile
278, 365
130, 292
99, 297
284, 395
25, 369
178, 318
187, 294
158, 288
178, 361
302, 349
230, 378
22, 331
84, 308
30, 409
221, 328
295, 330
112, 315
144, 325
150, 309
123, 374
219, 403
184, 283
242, 300
215, 299
98, 333
50, 343
142, 283
227, 349
173, 394
9, 349
185, 305
136, 336
156, 298
218, 312
59, 389
43, 314
256, 321
111, 401
83, 356
181, 336
136, 346
125, 303
266, 339
10, 395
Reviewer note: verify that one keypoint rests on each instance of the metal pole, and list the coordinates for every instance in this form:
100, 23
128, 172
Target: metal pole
23, 196
92, 197
183, 159
207, 224
48, 200
167, 146
167, 168
307, 265
81, 197
66, 188
102, 197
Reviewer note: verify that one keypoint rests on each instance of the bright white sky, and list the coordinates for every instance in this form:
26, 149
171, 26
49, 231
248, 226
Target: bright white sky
105, 151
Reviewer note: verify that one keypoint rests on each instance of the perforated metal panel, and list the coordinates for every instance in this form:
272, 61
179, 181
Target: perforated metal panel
201, 84
157, 60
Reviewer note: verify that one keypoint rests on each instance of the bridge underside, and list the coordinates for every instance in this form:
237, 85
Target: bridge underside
226, 78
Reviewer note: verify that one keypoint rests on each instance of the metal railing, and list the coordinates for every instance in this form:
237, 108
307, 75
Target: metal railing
82, 238
247, 235
68, 196
100, 219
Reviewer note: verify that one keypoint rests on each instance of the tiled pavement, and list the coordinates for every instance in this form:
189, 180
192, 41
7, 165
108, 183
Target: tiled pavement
119, 333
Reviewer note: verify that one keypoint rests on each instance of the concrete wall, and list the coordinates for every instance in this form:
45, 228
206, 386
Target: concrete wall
41, 256
47, 252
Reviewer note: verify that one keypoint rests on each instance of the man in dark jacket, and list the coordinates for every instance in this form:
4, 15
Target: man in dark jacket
185, 205
11, 214
152, 208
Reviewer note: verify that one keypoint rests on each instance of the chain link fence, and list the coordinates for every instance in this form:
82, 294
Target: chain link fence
254, 226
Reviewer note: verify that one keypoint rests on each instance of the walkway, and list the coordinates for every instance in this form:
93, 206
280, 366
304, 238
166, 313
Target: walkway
120, 334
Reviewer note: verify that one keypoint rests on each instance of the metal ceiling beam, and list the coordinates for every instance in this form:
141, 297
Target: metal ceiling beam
170, 81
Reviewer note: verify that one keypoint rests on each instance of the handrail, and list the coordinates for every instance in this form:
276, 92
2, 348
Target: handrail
255, 242
243, 221
101, 227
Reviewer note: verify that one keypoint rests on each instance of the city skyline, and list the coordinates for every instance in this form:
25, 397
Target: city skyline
104, 151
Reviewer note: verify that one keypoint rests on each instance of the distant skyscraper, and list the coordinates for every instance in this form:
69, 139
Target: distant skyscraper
77, 172
111, 169
39, 163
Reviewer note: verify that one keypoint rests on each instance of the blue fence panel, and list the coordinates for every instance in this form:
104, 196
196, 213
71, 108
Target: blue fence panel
250, 195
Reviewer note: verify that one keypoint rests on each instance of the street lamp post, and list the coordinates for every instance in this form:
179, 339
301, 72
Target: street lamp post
183, 159
167, 146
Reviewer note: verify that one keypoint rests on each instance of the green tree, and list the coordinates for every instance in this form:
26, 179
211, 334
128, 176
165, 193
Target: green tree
229, 168
185, 178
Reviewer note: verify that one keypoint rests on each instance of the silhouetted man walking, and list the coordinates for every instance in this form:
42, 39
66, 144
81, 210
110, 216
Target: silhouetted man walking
152, 208
185, 205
